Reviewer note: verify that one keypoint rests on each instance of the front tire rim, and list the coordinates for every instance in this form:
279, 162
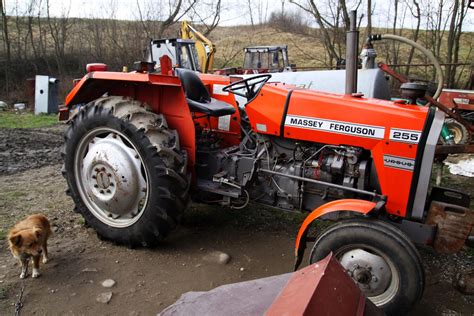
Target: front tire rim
457, 133
372, 270
111, 177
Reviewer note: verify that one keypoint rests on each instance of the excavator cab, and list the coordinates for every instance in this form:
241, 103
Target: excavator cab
182, 53
261, 59
266, 58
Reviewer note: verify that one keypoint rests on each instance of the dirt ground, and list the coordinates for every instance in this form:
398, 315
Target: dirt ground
259, 241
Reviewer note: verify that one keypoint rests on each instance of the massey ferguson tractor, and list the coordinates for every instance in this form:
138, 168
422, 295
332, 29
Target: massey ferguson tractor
143, 144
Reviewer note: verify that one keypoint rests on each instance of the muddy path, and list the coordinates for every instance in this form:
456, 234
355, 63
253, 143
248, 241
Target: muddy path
23, 149
259, 241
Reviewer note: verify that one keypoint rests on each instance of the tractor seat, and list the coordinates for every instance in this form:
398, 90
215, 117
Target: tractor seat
198, 97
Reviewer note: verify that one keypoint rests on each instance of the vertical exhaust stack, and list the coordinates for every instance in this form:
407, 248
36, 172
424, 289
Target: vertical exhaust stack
352, 43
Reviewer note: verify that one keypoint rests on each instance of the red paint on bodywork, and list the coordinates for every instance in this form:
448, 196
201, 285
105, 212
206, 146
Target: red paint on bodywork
215, 83
268, 110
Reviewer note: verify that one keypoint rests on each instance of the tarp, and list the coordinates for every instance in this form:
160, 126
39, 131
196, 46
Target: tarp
243, 298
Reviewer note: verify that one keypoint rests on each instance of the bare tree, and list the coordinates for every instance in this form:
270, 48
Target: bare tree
436, 22
18, 45
59, 44
262, 10
289, 21
30, 34
229, 53
469, 83
394, 44
455, 30
205, 12
157, 17
143, 21
369, 18
59, 28
7, 44
173, 16
345, 14
416, 13
42, 37
328, 43
250, 5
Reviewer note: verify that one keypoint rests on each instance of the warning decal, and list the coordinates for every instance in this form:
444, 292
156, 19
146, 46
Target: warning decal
338, 127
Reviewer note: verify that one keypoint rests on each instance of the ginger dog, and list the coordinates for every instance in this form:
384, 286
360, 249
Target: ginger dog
27, 239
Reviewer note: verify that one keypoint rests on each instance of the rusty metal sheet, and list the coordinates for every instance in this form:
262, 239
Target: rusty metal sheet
454, 149
458, 99
454, 225
323, 288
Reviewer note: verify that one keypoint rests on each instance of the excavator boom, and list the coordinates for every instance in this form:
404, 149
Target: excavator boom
205, 48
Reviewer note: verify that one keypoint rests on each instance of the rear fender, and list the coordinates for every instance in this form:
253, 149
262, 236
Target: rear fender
95, 84
347, 205
162, 93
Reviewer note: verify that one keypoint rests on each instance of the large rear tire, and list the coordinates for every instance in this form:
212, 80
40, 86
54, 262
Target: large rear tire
380, 259
125, 171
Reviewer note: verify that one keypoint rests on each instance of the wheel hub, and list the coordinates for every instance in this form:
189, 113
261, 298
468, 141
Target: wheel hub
457, 133
103, 178
362, 276
113, 180
371, 272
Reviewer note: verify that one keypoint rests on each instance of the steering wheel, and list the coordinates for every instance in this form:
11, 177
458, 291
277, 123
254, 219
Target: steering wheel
251, 85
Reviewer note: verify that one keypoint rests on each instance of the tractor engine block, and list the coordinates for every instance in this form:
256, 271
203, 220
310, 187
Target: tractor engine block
341, 165
244, 167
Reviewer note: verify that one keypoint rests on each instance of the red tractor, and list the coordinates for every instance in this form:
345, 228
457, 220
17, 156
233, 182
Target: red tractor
142, 144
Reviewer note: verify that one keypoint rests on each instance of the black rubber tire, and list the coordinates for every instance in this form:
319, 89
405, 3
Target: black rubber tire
459, 131
387, 240
165, 163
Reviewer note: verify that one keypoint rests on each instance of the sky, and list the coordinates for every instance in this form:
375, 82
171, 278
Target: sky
234, 12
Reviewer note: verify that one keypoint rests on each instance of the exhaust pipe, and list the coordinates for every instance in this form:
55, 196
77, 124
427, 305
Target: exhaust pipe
352, 43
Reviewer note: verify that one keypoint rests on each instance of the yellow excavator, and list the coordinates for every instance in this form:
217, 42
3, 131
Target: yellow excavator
204, 47
258, 59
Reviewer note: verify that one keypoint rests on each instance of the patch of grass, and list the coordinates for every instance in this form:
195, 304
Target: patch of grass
9, 119
16, 194
3, 234
3, 293
470, 251
9, 198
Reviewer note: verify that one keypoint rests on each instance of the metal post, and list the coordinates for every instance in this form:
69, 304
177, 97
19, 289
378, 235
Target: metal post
352, 43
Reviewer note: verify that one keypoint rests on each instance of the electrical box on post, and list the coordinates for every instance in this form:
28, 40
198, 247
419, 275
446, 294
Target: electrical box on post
46, 95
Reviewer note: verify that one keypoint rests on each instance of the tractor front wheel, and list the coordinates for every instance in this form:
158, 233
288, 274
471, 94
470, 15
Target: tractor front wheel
125, 171
381, 260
